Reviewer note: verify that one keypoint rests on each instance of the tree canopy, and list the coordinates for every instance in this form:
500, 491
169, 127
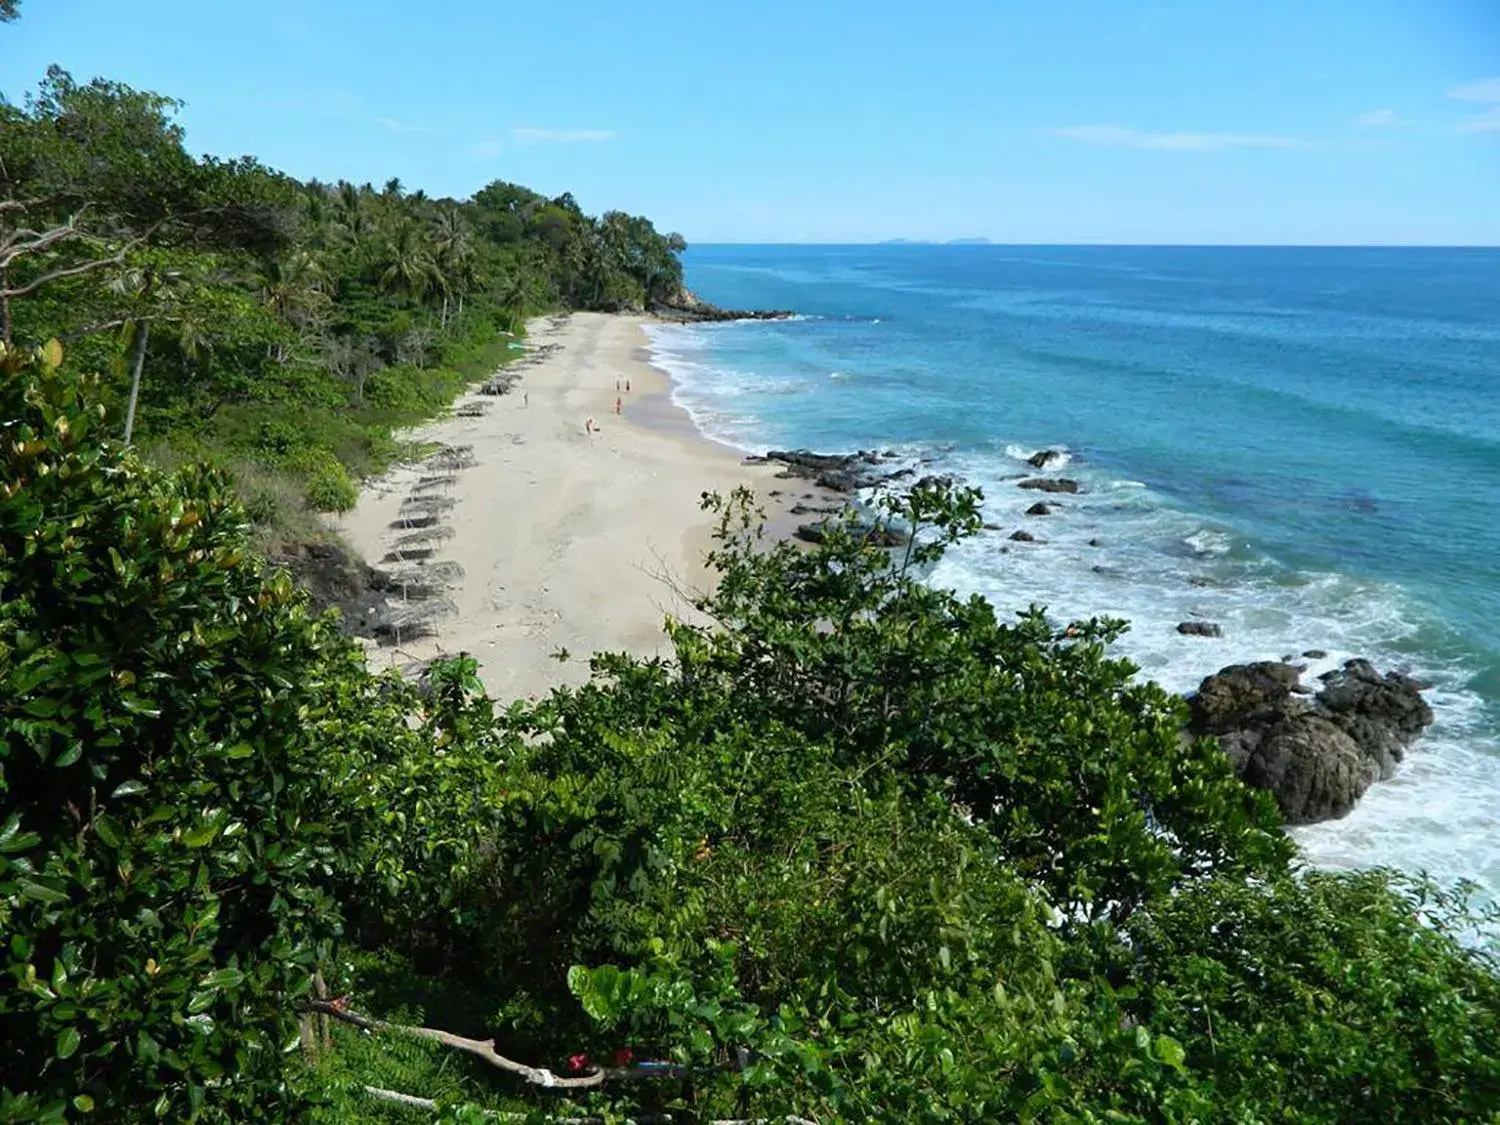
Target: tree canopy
222, 297
859, 850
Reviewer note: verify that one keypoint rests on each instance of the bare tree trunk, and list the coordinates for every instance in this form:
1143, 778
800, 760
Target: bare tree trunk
4, 307
137, 362
460, 305
445, 312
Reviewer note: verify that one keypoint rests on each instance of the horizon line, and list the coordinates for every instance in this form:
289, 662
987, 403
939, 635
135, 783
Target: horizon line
973, 243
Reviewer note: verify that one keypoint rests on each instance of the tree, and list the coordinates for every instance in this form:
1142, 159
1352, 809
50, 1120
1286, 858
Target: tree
9, 10
405, 263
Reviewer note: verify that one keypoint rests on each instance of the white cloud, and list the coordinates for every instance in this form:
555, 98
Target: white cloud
1486, 91
561, 136
486, 149
1115, 136
1489, 122
1378, 118
406, 127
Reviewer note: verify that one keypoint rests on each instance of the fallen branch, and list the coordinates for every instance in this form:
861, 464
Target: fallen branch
413, 1102
485, 1049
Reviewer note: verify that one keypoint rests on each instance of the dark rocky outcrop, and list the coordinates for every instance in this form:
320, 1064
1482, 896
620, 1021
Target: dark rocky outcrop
686, 308
1043, 457
1039, 509
837, 472
1317, 756
337, 579
1023, 537
877, 535
1200, 629
1049, 484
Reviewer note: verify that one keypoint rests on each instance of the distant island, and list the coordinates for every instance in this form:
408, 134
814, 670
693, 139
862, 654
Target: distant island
935, 242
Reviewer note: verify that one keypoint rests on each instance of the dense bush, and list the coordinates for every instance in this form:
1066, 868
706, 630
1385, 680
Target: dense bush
857, 852
167, 821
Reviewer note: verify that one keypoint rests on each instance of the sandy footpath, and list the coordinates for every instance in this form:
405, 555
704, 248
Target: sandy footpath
565, 540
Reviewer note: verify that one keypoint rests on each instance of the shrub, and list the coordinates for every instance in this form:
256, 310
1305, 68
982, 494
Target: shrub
164, 821
329, 489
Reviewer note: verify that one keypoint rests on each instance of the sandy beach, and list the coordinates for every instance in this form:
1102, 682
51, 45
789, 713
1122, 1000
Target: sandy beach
566, 540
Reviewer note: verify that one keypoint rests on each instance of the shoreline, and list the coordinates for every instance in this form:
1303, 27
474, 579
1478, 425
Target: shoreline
565, 540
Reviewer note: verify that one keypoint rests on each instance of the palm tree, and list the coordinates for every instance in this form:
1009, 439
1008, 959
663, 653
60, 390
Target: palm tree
295, 289
405, 262
453, 243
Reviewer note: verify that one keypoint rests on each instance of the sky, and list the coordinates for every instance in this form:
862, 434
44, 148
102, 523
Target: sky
1126, 121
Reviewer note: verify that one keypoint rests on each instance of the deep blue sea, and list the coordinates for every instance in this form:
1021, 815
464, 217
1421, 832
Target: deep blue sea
1302, 445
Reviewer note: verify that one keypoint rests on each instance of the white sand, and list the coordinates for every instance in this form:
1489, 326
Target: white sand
567, 541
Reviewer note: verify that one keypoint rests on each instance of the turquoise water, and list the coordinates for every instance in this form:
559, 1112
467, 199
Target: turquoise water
1302, 445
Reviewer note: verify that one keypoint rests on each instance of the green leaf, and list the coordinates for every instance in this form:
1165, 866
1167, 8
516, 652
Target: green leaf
12, 839
129, 789
201, 835
31, 888
108, 829
1170, 1051
83, 1103
70, 755
67, 1042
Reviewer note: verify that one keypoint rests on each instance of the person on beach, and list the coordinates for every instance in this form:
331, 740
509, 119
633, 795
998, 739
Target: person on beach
525, 398
619, 406
588, 426
627, 386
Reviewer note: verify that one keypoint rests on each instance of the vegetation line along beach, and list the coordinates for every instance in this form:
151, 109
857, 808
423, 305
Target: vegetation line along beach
598, 798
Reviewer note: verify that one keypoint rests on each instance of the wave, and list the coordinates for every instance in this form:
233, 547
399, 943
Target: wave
1121, 549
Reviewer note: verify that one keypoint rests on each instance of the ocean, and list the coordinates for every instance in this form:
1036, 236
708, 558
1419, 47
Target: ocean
1299, 444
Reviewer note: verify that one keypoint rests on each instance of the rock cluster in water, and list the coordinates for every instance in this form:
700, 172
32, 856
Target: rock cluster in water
1317, 755
686, 308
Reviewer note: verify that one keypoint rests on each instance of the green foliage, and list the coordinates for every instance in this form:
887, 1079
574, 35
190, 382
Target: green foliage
801, 862
329, 488
163, 834
331, 312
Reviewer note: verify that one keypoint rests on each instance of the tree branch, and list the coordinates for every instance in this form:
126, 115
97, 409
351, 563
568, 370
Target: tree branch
428, 1104
485, 1049
57, 275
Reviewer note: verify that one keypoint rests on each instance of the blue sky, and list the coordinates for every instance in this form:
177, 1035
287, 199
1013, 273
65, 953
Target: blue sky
1313, 121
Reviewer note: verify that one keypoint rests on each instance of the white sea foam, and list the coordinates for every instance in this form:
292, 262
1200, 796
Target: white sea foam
1118, 549
1439, 813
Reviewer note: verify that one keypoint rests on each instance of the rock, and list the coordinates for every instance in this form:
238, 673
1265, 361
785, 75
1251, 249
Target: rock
1039, 509
1023, 537
933, 481
992, 527
686, 308
1394, 700
1200, 629
1049, 484
1095, 543
837, 472
1314, 770
1317, 756
1239, 694
1315, 654
1043, 457
333, 578
877, 535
